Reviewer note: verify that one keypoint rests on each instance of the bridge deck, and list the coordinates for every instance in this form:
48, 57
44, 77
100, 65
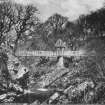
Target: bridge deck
51, 53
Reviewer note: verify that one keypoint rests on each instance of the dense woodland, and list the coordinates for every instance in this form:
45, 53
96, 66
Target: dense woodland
83, 78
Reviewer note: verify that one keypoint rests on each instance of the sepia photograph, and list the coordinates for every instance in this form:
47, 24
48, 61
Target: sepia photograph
52, 52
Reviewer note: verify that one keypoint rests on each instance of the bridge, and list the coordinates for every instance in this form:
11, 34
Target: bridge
61, 51
51, 53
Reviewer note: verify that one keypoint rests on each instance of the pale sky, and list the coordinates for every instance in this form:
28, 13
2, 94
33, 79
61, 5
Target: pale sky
70, 8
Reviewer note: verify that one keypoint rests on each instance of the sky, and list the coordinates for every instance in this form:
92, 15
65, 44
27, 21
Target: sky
69, 8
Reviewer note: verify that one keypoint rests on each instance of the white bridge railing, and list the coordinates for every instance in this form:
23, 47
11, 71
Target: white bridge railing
51, 53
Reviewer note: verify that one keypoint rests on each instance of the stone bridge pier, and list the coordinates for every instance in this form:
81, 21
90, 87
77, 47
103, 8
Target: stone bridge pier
60, 63
60, 46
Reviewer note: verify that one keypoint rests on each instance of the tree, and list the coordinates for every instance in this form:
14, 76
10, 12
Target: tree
7, 19
25, 22
19, 18
51, 30
89, 26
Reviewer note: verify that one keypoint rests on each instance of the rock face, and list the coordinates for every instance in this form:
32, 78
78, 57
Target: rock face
16, 69
51, 77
